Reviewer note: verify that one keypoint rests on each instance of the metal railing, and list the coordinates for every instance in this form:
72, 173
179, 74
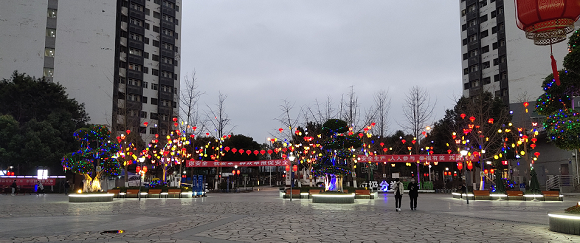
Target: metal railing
558, 181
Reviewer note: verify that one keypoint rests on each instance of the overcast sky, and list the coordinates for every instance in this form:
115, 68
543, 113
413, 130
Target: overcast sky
262, 52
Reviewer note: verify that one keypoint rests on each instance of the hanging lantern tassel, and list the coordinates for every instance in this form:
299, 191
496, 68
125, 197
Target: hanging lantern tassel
555, 69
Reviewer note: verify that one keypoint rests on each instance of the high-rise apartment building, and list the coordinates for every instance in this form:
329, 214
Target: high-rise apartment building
118, 57
497, 56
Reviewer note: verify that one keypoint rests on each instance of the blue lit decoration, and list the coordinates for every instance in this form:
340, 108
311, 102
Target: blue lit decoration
338, 142
96, 151
384, 186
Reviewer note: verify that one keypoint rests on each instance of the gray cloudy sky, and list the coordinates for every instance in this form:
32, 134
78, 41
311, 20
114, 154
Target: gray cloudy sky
261, 52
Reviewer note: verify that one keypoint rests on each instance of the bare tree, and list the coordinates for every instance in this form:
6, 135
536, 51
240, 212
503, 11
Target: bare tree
349, 109
287, 121
189, 107
218, 118
321, 114
383, 104
418, 110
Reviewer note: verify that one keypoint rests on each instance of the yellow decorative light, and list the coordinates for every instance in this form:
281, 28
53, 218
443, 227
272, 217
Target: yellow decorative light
522, 153
496, 157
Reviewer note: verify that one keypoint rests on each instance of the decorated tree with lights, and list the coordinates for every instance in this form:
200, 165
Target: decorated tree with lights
168, 152
562, 121
337, 147
95, 158
130, 148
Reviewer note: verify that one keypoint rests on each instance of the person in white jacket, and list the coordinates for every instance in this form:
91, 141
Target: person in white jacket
398, 191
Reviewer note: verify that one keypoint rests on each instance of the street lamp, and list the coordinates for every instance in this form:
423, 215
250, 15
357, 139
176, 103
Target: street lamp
141, 160
292, 158
463, 154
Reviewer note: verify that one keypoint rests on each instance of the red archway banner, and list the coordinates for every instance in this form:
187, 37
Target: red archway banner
275, 162
405, 158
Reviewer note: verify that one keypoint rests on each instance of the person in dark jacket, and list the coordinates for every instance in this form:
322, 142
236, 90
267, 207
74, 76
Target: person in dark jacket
14, 186
413, 188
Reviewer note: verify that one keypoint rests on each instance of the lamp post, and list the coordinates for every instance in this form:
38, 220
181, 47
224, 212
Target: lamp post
292, 158
141, 160
463, 154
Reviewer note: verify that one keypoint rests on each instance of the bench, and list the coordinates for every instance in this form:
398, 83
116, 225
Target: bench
154, 192
295, 193
481, 195
313, 191
552, 196
174, 192
115, 192
132, 192
362, 194
515, 195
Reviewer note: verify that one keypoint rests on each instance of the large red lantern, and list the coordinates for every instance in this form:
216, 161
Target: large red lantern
460, 166
547, 22
469, 165
294, 168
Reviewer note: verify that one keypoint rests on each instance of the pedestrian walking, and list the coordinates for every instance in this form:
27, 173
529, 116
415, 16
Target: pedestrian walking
14, 186
66, 187
413, 188
399, 190
39, 188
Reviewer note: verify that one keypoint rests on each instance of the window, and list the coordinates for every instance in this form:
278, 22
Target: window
176, 37
166, 74
168, 4
175, 90
502, 59
144, 99
176, 8
482, 3
136, 7
153, 116
174, 76
501, 26
146, 70
155, 43
147, 11
134, 82
494, 45
493, 14
473, 68
134, 97
146, 55
473, 53
474, 83
146, 40
466, 71
176, 21
155, 28
464, 27
496, 62
135, 52
143, 115
472, 22
154, 101
155, 86
50, 32
483, 18
167, 18
51, 13
462, 12
466, 86
48, 72
174, 104
484, 34
496, 78
485, 65
168, 46
135, 67
503, 75
167, 60
472, 38
500, 10
485, 49
155, 72
136, 37
49, 52
465, 56
121, 80
501, 42
121, 95
145, 85
471, 8
156, 15
136, 22
465, 41
155, 58
167, 32
146, 25
486, 80
494, 29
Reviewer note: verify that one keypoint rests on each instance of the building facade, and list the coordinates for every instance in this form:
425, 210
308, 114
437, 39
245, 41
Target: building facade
498, 58
120, 58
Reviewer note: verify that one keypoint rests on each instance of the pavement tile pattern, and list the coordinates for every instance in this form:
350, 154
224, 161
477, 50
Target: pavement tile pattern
262, 216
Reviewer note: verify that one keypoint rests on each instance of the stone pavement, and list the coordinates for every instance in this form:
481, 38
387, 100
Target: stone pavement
262, 216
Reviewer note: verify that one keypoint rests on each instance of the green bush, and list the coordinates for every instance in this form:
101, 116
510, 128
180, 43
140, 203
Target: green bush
573, 209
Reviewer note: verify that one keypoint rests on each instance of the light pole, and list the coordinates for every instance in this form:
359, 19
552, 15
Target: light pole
292, 158
463, 154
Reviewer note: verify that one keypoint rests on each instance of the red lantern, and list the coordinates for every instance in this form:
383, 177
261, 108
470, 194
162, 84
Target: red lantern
138, 169
194, 128
256, 152
233, 172
547, 22
449, 151
534, 140
526, 104
404, 141
144, 169
270, 151
128, 131
295, 168
207, 134
280, 129
287, 167
373, 124
241, 151
234, 150
238, 172
262, 152
469, 165
533, 145
360, 135
472, 119
492, 171
414, 141
284, 156
454, 173
460, 166
248, 152
385, 150
227, 149
537, 154
485, 171
175, 119
145, 123
382, 144
490, 121
284, 150
462, 116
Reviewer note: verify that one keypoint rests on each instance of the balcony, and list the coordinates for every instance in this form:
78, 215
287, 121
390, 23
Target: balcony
168, 39
136, 44
137, 14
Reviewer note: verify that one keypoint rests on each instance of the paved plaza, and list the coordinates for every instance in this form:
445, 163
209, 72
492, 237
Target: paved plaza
262, 216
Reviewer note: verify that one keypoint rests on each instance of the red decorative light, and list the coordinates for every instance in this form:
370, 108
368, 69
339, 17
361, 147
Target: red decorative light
485, 171
469, 165
534, 140
404, 141
207, 134
385, 150
262, 152
462, 116
138, 169
504, 162
287, 167
175, 119
460, 166
241, 151
145, 123
128, 131
492, 171
490, 121
537, 154
238, 172
533, 145
382, 144
256, 152
414, 141
295, 168
360, 135
449, 151
472, 118
270, 151
280, 129
526, 104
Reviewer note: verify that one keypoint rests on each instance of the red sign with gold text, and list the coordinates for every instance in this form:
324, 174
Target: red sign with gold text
26, 181
415, 158
275, 162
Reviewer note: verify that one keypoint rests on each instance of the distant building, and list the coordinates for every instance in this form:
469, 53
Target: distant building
497, 57
118, 57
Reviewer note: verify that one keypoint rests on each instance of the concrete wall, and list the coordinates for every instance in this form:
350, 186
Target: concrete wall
22, 37
85, 54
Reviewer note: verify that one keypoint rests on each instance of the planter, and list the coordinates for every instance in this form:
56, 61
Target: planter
565, 223
105, 197
333, 198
